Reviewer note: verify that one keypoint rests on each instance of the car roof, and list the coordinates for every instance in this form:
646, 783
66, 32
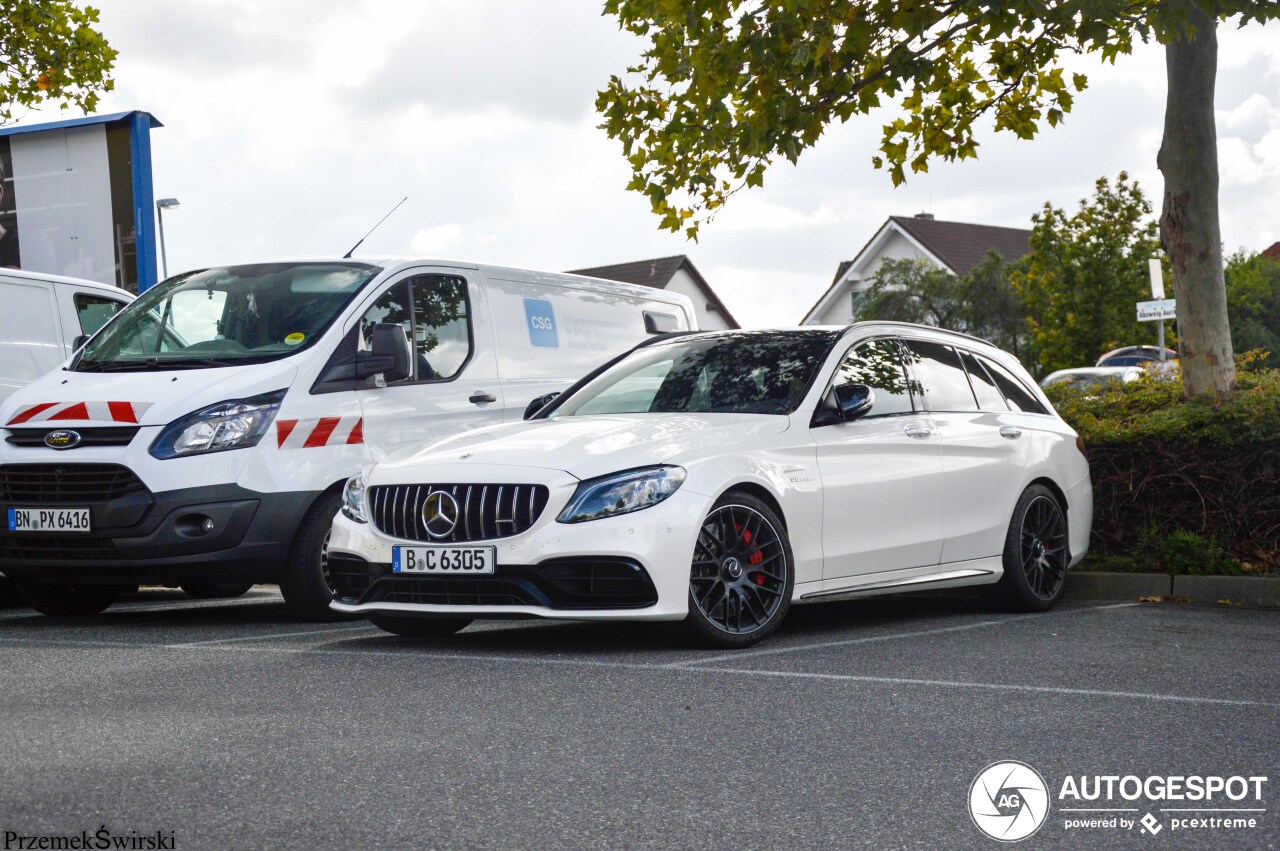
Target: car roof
63, 279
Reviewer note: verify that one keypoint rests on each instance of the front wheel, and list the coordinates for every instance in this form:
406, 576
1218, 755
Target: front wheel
1035, 555
418, 627
305, 582
67, 601
742, 575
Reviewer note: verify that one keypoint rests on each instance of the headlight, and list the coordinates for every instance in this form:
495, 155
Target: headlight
353, 500
621, 493
237, 424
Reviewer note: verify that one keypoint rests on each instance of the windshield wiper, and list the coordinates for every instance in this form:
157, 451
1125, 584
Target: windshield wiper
150, 365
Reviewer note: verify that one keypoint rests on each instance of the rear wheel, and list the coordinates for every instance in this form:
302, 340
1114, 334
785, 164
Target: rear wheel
217, 590
305, 582
1035, 554
62, 601
418, 627
742, 575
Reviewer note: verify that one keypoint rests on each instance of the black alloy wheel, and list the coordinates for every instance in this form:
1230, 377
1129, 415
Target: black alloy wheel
1036, 554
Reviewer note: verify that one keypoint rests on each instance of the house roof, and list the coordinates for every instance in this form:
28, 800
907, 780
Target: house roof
657, 273
957, 246
1273, 252
961, 246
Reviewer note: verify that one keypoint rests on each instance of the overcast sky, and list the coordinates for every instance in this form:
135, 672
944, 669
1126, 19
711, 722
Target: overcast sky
292, 126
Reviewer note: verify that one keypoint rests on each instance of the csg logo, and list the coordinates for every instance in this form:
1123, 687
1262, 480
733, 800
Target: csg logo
1008, 801
541, 317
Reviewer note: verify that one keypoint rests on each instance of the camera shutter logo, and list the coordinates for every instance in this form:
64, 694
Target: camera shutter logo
440, 513
1009, 801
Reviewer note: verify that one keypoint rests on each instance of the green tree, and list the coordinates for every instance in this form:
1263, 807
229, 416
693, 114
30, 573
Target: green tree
1084, 274
50, 52
726, 87
1253, 299
982, 302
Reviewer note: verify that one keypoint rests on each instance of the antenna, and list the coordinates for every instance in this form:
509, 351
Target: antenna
347, 256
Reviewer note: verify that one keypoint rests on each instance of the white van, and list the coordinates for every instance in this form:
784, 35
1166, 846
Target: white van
41, 319
203, 438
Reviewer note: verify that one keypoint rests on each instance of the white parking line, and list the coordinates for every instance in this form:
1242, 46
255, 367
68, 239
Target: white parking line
356, 627
848, 642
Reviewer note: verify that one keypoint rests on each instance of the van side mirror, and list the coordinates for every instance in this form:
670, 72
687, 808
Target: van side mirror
538, 404
854, 400
390, 354
78, 343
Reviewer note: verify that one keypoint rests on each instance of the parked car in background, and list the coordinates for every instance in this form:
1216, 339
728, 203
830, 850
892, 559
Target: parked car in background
1093, 377
41, 319
204, 437
1135, 356
718, 478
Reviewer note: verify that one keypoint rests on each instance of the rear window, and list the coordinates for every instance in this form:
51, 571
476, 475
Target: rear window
990, 398
1015, 392
938, 369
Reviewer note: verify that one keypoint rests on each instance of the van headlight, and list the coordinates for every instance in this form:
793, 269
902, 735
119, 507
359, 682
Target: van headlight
238, 424
353, 500
622, 493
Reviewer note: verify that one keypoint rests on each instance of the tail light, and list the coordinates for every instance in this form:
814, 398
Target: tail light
1080, 446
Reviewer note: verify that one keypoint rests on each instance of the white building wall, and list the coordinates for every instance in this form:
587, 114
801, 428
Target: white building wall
840, 311
708, 320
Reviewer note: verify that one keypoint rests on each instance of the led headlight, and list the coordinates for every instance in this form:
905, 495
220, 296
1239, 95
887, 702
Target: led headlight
237, 424
622, 493
353, 500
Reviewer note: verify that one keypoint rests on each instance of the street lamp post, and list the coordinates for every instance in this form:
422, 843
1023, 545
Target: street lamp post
162, 205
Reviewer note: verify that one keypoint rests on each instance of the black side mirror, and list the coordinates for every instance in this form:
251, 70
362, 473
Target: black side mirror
854, 400
79, 342
389, 354
538, 404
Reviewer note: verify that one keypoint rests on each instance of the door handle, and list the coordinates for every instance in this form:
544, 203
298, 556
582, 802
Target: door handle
479, 397
1011, 432
917, 430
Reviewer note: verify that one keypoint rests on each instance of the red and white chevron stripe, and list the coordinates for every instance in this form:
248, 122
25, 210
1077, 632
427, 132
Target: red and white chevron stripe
313, 434
110, 412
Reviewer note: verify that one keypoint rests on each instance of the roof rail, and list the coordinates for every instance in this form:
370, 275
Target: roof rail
919, 327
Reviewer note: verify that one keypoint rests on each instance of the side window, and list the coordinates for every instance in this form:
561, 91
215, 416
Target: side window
94, 311
441, 326
878, 364
1019, 397
938, 368
984, 386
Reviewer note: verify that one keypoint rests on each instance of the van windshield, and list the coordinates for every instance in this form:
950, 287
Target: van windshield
226, 316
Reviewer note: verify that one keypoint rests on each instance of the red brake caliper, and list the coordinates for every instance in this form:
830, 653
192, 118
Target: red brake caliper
754, 557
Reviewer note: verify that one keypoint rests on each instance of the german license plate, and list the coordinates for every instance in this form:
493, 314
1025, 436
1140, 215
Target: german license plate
48, 520
464, 561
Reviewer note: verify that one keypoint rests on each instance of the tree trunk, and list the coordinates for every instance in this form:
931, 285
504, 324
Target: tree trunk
1189, 227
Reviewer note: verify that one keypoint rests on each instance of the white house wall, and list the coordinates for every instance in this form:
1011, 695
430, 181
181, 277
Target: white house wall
708, 320
894, 246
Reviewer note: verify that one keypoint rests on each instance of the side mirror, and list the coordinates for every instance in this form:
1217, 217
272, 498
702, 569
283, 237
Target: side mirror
854, 400
389, 354
78, 343
538, 404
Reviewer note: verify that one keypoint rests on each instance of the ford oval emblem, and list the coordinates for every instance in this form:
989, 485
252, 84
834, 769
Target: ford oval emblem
63, 439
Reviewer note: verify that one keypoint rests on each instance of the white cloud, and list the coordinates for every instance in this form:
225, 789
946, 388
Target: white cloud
436, 241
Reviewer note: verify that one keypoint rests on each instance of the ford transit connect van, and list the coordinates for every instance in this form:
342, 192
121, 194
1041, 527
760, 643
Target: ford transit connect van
203, 438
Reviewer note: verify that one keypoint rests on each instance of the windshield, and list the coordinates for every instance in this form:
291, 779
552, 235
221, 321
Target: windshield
226, 317
765, 372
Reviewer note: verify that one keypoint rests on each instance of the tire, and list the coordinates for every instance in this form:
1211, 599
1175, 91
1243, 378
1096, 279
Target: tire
418, 627
1035, 555
305, 580
67, 601
217, 590
741, 568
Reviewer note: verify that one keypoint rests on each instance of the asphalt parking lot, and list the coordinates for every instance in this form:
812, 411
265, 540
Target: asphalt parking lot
861, 724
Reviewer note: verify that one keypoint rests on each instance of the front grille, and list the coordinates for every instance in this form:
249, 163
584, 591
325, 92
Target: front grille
484, 512
82, 483
106, 436
61, 547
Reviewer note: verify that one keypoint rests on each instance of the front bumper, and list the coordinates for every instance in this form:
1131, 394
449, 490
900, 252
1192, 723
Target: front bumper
158, 538
632, 567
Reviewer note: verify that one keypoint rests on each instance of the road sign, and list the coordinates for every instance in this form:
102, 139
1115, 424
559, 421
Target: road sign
1157, 311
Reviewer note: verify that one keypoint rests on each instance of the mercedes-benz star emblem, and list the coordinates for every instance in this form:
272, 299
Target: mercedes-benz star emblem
62, 439
440, 513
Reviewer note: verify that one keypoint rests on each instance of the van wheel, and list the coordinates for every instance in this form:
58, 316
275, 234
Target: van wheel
305, 581
67, 601
1035, 555
217, 590
742, 575
418, 627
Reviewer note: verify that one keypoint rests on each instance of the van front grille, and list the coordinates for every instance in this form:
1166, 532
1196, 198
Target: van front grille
481, 512
79, 483
105, 436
